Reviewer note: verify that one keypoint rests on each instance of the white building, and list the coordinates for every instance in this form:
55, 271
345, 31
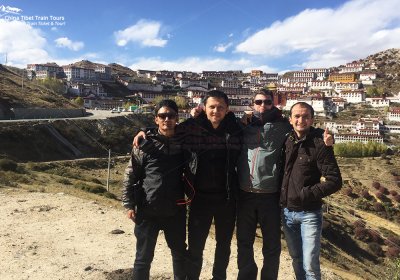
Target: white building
230, 83
184, 83
318, 103
77, 73
346, 86
343, 138
353, 96
321, 85
378, 101
394, 114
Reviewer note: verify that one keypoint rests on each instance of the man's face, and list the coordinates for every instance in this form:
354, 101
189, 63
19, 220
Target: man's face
216, 109
166, 120
301, 120
262, 103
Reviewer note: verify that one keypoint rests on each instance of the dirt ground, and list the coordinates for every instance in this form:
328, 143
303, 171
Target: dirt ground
58, 236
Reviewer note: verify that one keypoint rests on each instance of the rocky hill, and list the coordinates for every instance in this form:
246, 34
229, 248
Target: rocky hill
388, 69
69, 139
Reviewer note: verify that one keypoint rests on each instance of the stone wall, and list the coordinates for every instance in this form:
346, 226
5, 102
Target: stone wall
47, 113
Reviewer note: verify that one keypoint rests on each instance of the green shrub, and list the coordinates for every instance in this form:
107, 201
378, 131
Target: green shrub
64, 181
90, 189
8, 165
357, 149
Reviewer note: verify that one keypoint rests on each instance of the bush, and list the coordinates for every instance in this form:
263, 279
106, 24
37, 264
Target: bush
378, 207
96, 181
348, 191
91, 189
393, 252
375, 236
362, 234
64, 181
380, 195
8, 165
383, 190
359, 223
397, 198
393, 193
392, 241
376, 249
376, 185
365, 194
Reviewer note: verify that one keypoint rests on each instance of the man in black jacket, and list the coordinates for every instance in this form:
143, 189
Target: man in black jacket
214, 136
153, 193
311, 173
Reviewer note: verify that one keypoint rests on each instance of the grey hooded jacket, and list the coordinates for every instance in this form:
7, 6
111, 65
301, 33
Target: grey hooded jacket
260, 162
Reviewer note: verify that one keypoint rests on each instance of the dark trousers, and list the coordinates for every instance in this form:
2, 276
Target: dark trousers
202, 211
263, 209
146, 233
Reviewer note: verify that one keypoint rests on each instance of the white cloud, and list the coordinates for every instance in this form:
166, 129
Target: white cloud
198, 64
222, 48
22, 43
144, 32
64, 42
330, 36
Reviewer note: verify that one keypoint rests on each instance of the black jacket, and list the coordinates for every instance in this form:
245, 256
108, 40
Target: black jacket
311, 172
217, 152
153, 178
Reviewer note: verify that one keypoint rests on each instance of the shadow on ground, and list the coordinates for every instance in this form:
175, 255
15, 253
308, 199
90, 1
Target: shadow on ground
127, 274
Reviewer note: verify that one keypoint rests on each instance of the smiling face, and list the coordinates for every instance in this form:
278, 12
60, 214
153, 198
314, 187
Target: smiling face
301, 119
216, 109
262, 103
166, 121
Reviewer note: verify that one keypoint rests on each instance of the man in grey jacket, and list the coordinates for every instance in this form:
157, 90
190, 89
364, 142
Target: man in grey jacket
260, 173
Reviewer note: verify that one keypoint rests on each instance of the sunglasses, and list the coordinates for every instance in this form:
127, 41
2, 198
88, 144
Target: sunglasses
265, 101
163, 116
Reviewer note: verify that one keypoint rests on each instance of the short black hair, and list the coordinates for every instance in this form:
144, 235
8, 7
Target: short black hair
167, 103
265, 92
304, 105
216, 94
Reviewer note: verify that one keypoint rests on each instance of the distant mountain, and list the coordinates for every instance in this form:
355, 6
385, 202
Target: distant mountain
116, 69
121, 70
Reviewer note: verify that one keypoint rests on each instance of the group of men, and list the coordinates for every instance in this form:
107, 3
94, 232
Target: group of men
259, 170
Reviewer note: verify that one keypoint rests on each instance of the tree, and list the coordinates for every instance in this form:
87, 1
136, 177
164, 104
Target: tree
79, 101
181, 102
54, 85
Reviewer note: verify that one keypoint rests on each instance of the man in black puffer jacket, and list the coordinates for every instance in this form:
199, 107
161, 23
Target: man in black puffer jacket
214, 137
153, 193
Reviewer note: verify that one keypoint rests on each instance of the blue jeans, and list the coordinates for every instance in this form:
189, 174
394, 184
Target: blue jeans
303, 237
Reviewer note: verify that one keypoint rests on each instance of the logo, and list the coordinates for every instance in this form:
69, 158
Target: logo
15, 14
4, 10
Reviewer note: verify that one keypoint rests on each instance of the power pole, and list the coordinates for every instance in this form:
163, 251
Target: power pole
108, 170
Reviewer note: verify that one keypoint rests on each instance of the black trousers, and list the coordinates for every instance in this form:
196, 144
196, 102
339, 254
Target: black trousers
146, 233
202, 211
262, 209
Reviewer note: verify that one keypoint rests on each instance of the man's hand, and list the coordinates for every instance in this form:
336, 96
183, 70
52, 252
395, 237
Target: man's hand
132, 215
328, 138
195, 112
138, 137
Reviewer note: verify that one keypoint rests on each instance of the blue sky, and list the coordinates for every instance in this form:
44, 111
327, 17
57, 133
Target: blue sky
273, 36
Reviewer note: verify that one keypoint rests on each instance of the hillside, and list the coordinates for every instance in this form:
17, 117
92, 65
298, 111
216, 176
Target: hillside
388, 69
360, 240
17, 91
69, 139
